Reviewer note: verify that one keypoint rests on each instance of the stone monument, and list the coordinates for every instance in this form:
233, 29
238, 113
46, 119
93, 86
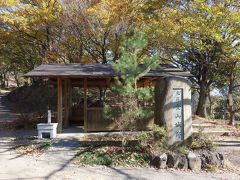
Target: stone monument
173, 107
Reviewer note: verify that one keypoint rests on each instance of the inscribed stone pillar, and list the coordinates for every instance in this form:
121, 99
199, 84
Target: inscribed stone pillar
173, 107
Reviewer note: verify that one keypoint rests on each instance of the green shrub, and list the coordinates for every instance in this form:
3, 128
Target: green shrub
143, 139
131, 159
45, 145
211, 168
95, 158
182, 149
238, 126
160, 139
159, 133
110, 112
153, 141
201, 140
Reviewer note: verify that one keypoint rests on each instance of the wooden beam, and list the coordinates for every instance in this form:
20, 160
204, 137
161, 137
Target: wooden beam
143, 82
59, 106
91, 82
85, 104
66, 103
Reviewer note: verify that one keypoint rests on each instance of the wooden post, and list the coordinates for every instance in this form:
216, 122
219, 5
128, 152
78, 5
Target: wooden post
85, 105
66, 103
70, 99
59, 105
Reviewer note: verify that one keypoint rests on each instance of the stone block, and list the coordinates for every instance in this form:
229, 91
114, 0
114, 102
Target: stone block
211, 158
159, 162
194, 161
178, 161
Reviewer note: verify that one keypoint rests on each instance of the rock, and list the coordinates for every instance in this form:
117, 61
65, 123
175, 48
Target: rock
170, 160
182, 162
155, 162
194, 161
229, 134
159, 161
163, 161
178, 161
211, 158
220, 158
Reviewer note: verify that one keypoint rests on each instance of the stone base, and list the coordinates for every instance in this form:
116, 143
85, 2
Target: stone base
50, 128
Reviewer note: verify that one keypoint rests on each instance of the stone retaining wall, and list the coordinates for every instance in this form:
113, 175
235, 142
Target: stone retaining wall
196, 161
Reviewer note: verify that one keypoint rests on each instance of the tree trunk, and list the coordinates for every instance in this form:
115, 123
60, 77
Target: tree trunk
231, 118
3, 79
210, 111
230, 101
203, 94
16, 79
202, 103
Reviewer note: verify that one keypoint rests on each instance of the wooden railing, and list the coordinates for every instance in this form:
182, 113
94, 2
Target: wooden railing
96, 122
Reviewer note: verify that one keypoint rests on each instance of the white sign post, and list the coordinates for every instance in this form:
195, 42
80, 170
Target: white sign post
49, 128
49, 116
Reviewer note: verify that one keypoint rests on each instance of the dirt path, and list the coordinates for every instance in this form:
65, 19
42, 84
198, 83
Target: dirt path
6, 114
57, 164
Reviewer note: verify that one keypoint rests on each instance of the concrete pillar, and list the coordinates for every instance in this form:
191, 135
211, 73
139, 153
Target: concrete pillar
173, 107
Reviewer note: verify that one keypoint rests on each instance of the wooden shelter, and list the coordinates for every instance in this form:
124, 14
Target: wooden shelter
86, 76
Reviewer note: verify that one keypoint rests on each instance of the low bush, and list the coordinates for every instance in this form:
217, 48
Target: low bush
138, 149
160, 134
238, 126
156, 140
32, 102
131, 159
201, 140
112, 156
94, 158
143, 139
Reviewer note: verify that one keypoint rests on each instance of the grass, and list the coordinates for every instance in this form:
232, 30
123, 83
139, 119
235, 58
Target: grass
211, 168
237, 126
182, 149
33, 148
94, 158
3, 91
229, 166
109, 151
112, 156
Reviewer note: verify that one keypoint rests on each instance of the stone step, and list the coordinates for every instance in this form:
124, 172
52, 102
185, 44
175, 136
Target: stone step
6, 113
214, 132
202, 125
206, 126
228, 143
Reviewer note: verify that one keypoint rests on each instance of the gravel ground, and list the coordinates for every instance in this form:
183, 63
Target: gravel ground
57, 164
